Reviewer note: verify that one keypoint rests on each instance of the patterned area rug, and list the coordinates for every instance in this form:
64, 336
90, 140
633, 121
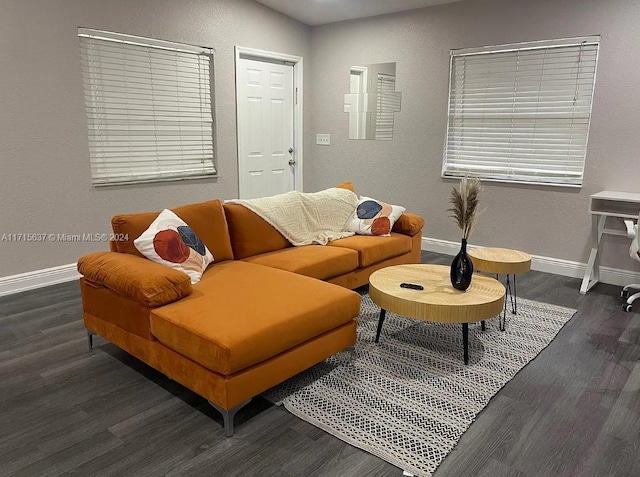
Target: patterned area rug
409, 398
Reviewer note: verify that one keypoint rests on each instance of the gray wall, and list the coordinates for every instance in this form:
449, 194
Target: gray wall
45, 179
45, 184
547, 221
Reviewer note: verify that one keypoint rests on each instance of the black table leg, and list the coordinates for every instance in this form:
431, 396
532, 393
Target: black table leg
514, 303
502, 318
383, 313
484, 327
510, 294
465, 341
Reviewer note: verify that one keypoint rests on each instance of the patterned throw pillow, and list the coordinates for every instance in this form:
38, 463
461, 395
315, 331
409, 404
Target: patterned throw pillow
374, 217
171, 242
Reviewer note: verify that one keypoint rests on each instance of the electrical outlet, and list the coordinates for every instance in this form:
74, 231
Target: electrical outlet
323, 139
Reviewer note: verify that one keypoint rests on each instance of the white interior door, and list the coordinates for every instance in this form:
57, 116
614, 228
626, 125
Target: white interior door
265, 108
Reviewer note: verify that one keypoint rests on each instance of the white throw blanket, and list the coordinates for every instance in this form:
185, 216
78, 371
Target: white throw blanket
306, 218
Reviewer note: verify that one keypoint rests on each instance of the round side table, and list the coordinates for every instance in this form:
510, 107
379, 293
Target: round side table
502, 261
437, 301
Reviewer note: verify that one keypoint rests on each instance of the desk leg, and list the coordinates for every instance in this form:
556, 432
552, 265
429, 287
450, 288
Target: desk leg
465, 341
383, 313
592, 273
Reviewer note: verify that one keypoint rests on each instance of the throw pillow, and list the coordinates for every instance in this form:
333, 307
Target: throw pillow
171, 242
374, 217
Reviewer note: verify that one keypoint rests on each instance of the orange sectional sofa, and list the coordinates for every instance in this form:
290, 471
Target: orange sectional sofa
262, 312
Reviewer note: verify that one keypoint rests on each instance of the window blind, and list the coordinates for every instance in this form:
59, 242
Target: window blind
149, 108
521, 112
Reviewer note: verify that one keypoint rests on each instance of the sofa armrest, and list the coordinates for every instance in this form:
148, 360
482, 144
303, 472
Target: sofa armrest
149, 283
408, 224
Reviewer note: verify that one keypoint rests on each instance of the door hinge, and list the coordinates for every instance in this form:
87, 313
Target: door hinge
296, 95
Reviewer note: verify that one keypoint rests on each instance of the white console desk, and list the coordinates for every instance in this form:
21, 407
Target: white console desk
605, 204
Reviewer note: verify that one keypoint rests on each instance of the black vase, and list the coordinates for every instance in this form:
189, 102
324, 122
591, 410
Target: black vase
461, 269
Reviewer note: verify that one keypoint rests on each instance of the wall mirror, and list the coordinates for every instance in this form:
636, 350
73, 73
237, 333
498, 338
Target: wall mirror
372, 100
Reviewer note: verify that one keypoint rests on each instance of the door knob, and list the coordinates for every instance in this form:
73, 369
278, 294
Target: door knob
292, 162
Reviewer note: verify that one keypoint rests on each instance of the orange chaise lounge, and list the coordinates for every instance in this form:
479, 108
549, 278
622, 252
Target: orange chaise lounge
262, 312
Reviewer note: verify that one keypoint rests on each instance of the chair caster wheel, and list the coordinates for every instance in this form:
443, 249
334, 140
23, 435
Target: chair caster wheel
624, 294
627, 307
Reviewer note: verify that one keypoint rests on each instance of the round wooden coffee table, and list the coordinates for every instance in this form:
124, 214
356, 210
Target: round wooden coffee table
502, 261
438, 301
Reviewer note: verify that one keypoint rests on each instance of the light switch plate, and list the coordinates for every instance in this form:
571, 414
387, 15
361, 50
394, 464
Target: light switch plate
323, 139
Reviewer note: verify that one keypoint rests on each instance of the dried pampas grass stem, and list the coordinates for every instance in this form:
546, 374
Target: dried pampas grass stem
465, 205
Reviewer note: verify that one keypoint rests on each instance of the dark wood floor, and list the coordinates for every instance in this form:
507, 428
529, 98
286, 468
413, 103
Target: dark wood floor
64, 410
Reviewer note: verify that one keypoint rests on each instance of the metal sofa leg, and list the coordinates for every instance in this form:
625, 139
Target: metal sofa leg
89, 338
228, 415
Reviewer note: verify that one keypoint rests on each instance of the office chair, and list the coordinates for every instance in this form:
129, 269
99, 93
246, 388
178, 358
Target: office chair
632, 232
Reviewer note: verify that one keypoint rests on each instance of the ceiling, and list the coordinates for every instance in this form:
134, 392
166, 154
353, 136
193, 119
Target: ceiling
319, 12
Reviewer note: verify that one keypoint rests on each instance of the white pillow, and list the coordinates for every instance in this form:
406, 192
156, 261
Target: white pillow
374, 217
171, 242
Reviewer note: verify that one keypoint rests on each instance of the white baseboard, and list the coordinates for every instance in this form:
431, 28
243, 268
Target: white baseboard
557, 266
66, 273
38, 279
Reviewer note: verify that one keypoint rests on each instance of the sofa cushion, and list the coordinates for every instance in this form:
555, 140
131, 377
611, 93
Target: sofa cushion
241, 314
316, 261
346, 185
251, 234
408, 224
207, 219
373, 249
